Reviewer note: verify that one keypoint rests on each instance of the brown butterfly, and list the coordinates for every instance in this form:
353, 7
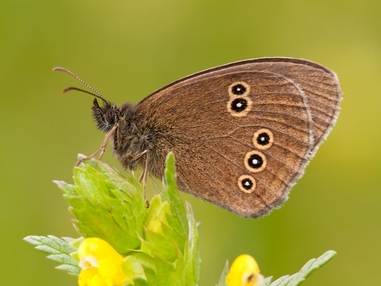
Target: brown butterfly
242, 133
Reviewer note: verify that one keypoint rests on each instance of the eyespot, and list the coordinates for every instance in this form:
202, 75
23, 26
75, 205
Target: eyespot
247, 184
255, 161
263, 139
239, 106
239, 88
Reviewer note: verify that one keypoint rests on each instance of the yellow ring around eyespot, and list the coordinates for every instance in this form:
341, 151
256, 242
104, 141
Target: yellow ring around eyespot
243, 177
243, 112
271, 140
251, 169
244, 84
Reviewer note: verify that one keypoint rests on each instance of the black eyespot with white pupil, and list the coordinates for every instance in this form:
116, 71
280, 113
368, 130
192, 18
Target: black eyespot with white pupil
255, 161
263, 139
238, 89
247, 184
239, 104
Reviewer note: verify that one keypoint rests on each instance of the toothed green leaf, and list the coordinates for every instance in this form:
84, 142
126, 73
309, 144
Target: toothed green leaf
304, 272
58, 250
159, 243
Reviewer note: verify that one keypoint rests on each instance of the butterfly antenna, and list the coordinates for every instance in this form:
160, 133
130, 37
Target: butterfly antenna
96, 93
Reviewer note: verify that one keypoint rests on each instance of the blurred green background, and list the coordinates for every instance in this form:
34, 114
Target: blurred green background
128, 49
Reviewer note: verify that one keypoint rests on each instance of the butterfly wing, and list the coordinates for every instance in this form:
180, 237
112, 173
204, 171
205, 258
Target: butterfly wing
319, 84
241, 136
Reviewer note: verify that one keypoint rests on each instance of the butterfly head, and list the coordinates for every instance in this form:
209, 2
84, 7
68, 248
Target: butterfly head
105, 116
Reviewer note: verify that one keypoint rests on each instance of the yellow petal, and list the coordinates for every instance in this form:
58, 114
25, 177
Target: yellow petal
98, 248
100, 263
244, 272
111, 273
90, 277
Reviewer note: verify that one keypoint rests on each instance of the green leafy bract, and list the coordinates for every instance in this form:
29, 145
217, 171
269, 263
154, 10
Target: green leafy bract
159, 243
58, 249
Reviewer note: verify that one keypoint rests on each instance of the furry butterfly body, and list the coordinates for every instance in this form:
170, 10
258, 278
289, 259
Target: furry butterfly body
242, 133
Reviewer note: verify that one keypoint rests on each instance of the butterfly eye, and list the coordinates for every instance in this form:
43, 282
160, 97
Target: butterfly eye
255, 161
246, 184
263, 139
239, 89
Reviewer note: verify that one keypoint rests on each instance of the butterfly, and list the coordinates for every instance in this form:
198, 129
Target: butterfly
242, 133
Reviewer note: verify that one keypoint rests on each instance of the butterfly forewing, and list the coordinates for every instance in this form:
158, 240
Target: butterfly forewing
210, 125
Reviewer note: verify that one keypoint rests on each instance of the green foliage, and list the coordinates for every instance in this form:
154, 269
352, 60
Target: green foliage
58, 250
289, 280
159, 242
105, 205
225, 271
304, 272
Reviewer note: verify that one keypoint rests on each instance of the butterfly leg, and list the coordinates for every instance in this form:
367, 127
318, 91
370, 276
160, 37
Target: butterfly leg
143, 176
102, 148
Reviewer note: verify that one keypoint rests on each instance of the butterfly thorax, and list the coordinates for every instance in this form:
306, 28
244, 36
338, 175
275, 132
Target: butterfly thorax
132, 139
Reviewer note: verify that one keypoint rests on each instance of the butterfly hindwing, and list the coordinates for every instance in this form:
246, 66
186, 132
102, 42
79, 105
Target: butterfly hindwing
212, 135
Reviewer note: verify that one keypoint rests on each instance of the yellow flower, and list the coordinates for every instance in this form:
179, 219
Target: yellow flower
100, 263
244, 272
